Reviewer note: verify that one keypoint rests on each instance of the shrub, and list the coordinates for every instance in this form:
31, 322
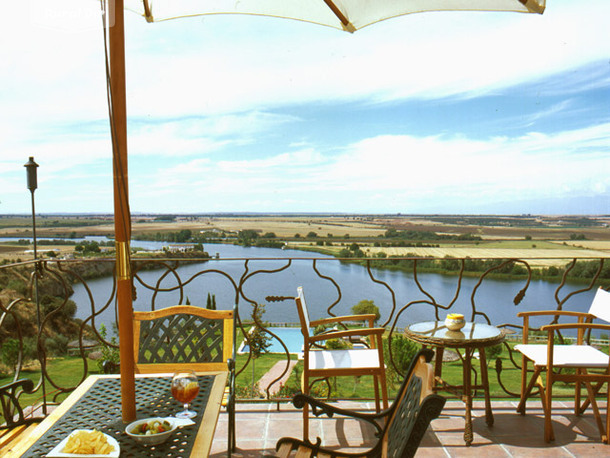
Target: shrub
10, 352
17, 285
403, 351
57, 346
320, 329
493, 352
110, 352
338, 344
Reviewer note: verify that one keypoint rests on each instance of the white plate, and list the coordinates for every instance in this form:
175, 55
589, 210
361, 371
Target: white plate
57, 451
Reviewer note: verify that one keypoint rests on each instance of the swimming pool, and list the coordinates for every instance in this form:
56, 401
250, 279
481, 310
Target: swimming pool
292, 338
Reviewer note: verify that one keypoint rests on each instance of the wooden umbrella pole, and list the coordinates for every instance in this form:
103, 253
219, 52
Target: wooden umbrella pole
122, 217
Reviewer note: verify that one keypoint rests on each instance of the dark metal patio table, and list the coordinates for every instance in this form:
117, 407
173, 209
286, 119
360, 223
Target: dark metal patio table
96, 404
473, 336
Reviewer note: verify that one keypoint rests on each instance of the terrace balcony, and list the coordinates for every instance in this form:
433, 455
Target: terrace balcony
261, 425
406, 290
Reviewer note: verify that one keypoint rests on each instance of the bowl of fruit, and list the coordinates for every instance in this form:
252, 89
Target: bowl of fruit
151, 431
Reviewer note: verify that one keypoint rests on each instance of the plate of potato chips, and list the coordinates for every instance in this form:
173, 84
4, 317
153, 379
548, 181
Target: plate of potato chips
87, 443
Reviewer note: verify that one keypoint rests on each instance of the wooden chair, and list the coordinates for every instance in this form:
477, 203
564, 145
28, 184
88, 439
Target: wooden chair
400, 428
187, 337
16, 423
567, 363
321, 364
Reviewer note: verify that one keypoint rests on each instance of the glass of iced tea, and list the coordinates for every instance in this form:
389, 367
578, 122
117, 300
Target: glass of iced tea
184, 390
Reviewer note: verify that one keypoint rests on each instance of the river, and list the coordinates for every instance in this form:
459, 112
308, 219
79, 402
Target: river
494, 297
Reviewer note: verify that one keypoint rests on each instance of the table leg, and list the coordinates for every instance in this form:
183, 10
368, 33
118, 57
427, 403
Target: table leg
489, 417
467, 395
438, 364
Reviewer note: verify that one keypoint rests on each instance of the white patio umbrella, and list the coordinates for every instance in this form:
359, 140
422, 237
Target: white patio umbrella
348, 15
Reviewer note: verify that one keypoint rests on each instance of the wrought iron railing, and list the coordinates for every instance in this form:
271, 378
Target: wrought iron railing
405, 289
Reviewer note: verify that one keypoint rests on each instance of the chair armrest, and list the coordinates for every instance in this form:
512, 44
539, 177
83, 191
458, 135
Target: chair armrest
24, 383
305, 448
320, 407
10, 402
343, 319
347, 333
555, 313
584, 326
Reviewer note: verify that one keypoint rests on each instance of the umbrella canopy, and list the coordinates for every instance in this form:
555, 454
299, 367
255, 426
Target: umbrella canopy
349, 15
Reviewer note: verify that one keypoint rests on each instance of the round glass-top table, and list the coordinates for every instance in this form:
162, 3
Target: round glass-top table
435, 333
473, 336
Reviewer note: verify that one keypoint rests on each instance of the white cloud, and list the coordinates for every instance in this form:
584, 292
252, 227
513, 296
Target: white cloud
205, 87
400, 173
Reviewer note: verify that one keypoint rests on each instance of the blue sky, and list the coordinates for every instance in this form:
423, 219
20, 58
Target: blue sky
428, 113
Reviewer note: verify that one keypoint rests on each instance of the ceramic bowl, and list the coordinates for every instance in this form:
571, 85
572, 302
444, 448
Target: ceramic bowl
455, 321
150, 439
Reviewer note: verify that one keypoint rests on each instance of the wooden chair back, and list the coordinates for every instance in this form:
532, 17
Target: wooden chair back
320, 363
303, 314
182, 337
580, 358
600, 307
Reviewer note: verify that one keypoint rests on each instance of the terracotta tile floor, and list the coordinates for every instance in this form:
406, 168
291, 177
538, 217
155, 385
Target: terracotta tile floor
259, 426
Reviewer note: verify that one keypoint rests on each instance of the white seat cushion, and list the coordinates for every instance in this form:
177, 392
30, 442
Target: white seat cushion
343, 359
565, 355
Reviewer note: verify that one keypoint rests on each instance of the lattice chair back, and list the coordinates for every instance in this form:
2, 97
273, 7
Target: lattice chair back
413, 409
182, 337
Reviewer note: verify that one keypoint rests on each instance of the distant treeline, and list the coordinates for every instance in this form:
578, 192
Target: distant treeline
514, 221
183, 236
582, 270
426, 235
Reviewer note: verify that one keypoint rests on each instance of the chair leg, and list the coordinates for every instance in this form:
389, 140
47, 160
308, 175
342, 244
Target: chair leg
305, 390
384, 390
232, 435
546, 394
376, 383
607, 438
525, 391
577, 388
597, 389
596, 413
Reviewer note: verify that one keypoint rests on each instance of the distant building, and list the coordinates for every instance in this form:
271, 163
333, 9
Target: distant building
179, 248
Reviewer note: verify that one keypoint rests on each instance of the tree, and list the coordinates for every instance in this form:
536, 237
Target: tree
211, 302
365, 307
258, 339
247, 237
183, 236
